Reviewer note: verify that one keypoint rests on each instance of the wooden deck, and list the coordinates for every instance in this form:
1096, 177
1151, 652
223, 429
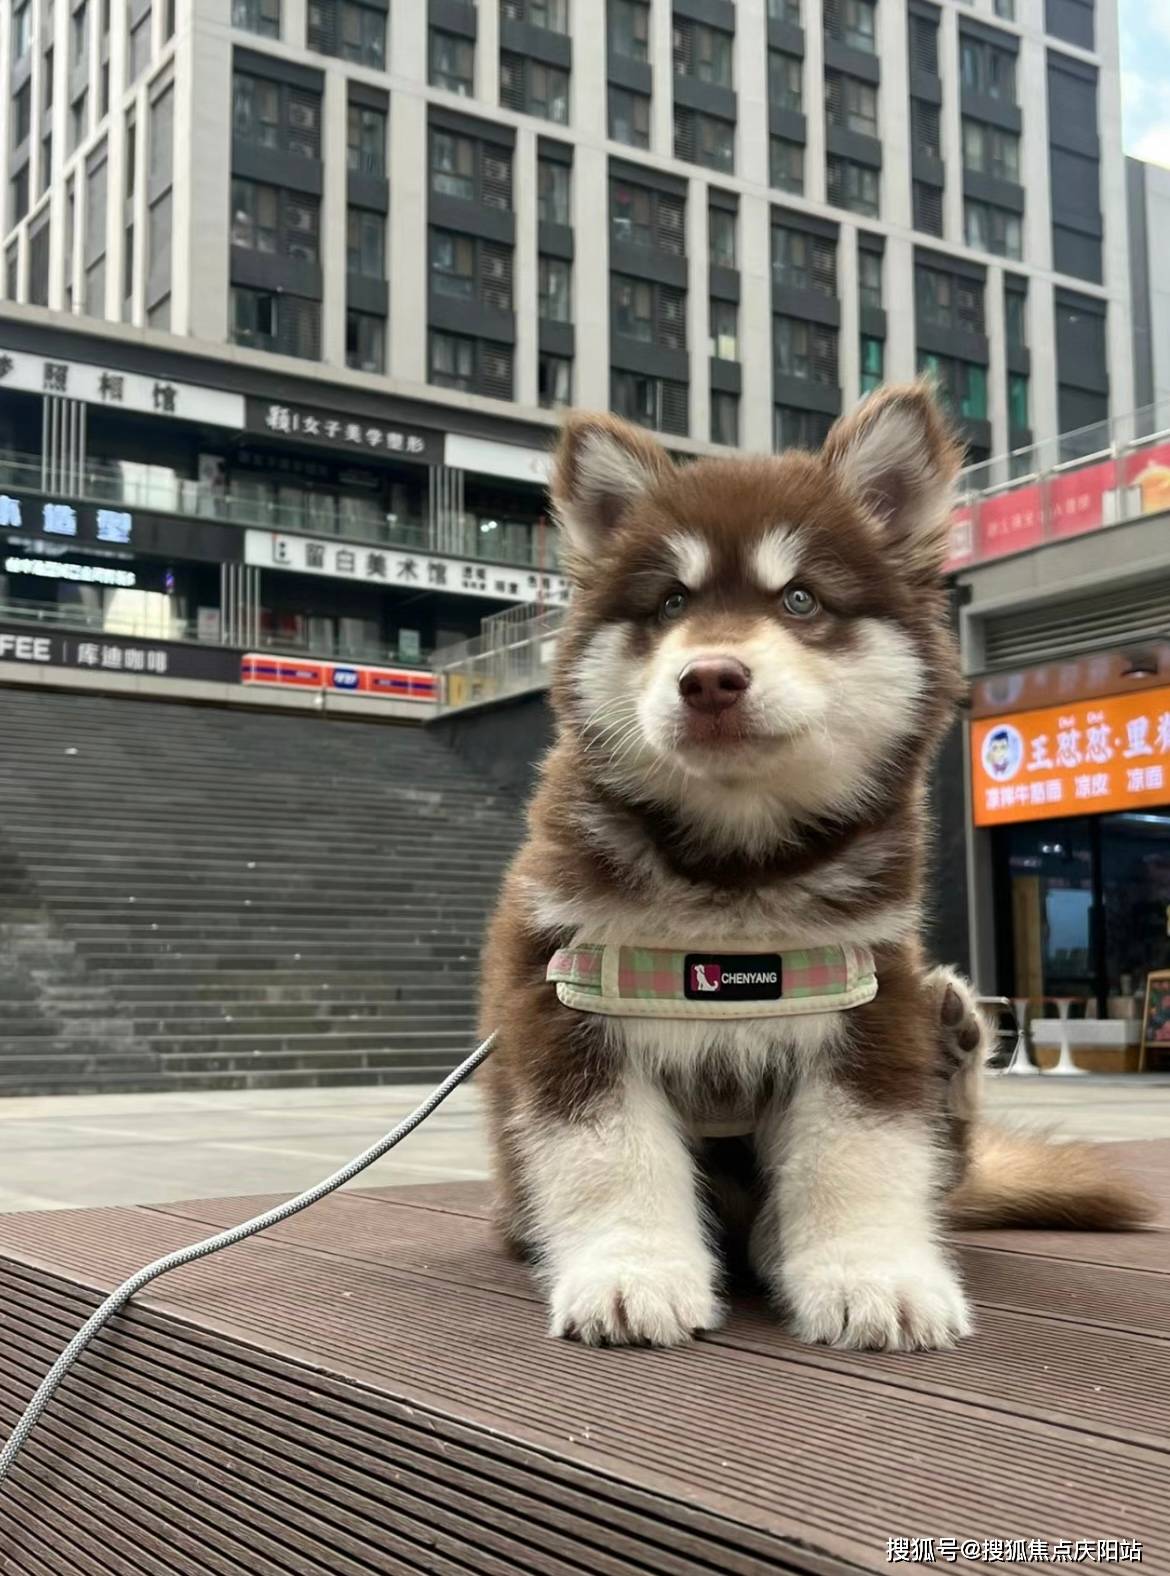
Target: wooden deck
368, 1389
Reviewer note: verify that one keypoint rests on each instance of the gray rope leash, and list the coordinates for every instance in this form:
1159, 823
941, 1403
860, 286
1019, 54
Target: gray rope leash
224, 1239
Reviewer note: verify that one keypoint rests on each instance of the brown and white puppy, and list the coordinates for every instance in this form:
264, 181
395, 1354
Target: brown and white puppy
754, 675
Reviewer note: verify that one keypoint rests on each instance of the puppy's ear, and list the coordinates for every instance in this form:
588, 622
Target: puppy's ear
602, 466
897, 456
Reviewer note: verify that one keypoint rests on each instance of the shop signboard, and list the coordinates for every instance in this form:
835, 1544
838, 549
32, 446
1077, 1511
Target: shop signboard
1147, 478
962, 541
92, 651
345, 433
1111, 753
346, 677
114, 529
119, 390
402, 567
1082, 498
1011, 522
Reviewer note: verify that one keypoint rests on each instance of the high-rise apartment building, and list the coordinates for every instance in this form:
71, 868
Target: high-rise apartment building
723, 220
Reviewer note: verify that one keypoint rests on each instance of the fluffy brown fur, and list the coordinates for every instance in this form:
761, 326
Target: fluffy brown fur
792, 816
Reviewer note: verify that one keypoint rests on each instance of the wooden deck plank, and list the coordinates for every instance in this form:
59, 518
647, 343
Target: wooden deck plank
383, 1334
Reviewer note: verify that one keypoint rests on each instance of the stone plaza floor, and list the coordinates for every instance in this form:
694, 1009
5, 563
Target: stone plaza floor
67, 1152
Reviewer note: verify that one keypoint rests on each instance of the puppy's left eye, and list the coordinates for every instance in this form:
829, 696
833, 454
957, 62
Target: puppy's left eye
799, 602
674, 605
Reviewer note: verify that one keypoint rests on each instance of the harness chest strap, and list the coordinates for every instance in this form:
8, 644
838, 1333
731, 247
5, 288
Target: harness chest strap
661, 982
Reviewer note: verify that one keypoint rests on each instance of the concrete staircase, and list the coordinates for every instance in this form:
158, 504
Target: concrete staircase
206, 898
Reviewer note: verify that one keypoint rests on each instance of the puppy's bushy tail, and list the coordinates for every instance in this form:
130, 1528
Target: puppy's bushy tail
1026, 1179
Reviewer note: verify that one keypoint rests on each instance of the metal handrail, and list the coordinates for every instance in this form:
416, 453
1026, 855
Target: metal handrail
189, 497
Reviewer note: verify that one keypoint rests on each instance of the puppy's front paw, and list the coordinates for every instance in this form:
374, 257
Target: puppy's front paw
964, 1036
859, 1297
635, 1297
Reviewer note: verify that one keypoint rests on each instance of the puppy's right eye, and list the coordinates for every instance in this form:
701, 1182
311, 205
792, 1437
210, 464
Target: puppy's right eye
674, 605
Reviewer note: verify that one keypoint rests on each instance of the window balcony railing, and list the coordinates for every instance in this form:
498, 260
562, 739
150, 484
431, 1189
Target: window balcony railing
1082, 481
334, 516
100, 622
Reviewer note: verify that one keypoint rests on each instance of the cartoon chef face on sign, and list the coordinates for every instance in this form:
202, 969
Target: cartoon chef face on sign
1003, 750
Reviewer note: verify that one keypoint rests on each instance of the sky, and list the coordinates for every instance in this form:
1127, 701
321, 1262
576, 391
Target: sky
1145, 78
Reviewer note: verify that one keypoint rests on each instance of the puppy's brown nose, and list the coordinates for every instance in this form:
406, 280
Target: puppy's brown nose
712, 684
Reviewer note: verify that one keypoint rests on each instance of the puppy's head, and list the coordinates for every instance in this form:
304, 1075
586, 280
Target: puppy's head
771, 624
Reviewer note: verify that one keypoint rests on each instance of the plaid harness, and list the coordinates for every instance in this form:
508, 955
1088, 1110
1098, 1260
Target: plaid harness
659, 982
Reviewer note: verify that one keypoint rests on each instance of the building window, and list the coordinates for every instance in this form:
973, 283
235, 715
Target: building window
702, 52
851, 103
46, 162
21, 114
873, 362
365, 140
77, 118
786, 165
853, 186
274, 219
928, 208
532, 88
629, 117
988, 228
19, 196
925, 130
452, 166
257, 16
983, 68
127, 272
723, 342
869, 278
78, 35
785, 89
794, 428
991, 151
924, 44
803, 262
704, 139
22, 31
552, 15
452, 265
947, 301
784, 11
725, 418
721, 237
554, 289
476, 366
1018, 402
277, 116
655, 314
554, 381
365, 342
640, 216
1015, 304
803, 350
554, 192
466, 269
348, 29
452, 361
1005, 10
38, 265
284, 323
471, 171
365, 243
452, 63
852, 22
139, 48
657, 403
962, 385
629, 29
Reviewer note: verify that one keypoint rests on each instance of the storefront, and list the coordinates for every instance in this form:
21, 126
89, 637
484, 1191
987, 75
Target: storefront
187, 499
1072, 799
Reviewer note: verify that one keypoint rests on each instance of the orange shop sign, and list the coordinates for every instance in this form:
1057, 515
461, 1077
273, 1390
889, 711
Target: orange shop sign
1110, 754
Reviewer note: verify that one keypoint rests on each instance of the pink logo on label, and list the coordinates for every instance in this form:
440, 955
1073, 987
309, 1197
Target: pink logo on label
706, 976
